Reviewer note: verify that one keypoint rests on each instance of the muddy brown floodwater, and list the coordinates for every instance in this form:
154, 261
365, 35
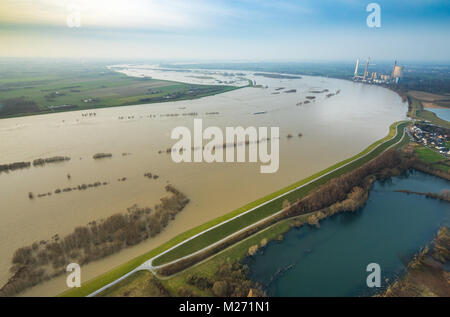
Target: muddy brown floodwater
333, 128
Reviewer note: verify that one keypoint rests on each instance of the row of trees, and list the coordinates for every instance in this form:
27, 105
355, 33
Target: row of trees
17, 105
429, 169
386, 165
14, 166
54, 159
36, 162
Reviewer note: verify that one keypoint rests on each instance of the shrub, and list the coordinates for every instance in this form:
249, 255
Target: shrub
252, 250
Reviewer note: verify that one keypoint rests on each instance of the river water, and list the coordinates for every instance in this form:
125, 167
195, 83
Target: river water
333, 129
332, 260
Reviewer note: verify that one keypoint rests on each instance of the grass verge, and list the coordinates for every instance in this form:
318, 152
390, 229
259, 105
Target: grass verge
433, 158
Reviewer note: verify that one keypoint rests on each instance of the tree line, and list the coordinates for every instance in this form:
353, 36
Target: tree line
230, 280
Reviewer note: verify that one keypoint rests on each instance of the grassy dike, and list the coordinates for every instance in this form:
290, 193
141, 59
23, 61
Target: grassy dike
395, 134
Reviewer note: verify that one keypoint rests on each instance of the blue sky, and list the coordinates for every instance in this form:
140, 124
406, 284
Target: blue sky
241, 30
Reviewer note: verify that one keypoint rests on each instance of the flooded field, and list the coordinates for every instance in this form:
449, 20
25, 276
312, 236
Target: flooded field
333, 128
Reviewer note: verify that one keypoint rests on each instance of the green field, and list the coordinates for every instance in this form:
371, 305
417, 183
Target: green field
435, 159
428, 155
266, 210
48, 89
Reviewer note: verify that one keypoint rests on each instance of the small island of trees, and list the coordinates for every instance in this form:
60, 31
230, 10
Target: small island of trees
54, 159
101, 156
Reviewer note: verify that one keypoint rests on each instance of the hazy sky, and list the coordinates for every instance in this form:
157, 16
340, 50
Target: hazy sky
278, 30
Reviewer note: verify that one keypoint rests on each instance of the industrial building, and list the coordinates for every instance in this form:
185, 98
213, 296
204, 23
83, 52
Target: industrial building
375, 78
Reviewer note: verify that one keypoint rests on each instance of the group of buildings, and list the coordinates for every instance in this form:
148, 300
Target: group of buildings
375, 78
430, 136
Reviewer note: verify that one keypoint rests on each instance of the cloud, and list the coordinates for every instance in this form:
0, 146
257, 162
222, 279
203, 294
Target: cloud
159, 14
286, 6
224, 29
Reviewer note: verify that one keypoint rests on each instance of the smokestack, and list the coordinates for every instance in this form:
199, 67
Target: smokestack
366, 72
356, 68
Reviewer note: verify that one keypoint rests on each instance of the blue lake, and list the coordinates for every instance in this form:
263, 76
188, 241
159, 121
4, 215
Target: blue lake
331, 260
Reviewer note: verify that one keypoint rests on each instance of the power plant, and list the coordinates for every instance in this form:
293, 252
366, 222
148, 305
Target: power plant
375, 78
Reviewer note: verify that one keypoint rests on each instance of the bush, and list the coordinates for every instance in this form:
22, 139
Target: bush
252, 250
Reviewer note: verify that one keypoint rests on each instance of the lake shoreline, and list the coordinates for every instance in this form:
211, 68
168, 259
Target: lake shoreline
315, 217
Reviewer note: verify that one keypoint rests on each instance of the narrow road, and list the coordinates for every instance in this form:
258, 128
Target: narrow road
147, 265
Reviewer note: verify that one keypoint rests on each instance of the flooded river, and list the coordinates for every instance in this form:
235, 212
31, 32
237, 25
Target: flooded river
333, 128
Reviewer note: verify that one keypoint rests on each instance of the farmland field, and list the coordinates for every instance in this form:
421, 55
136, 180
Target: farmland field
75, 87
